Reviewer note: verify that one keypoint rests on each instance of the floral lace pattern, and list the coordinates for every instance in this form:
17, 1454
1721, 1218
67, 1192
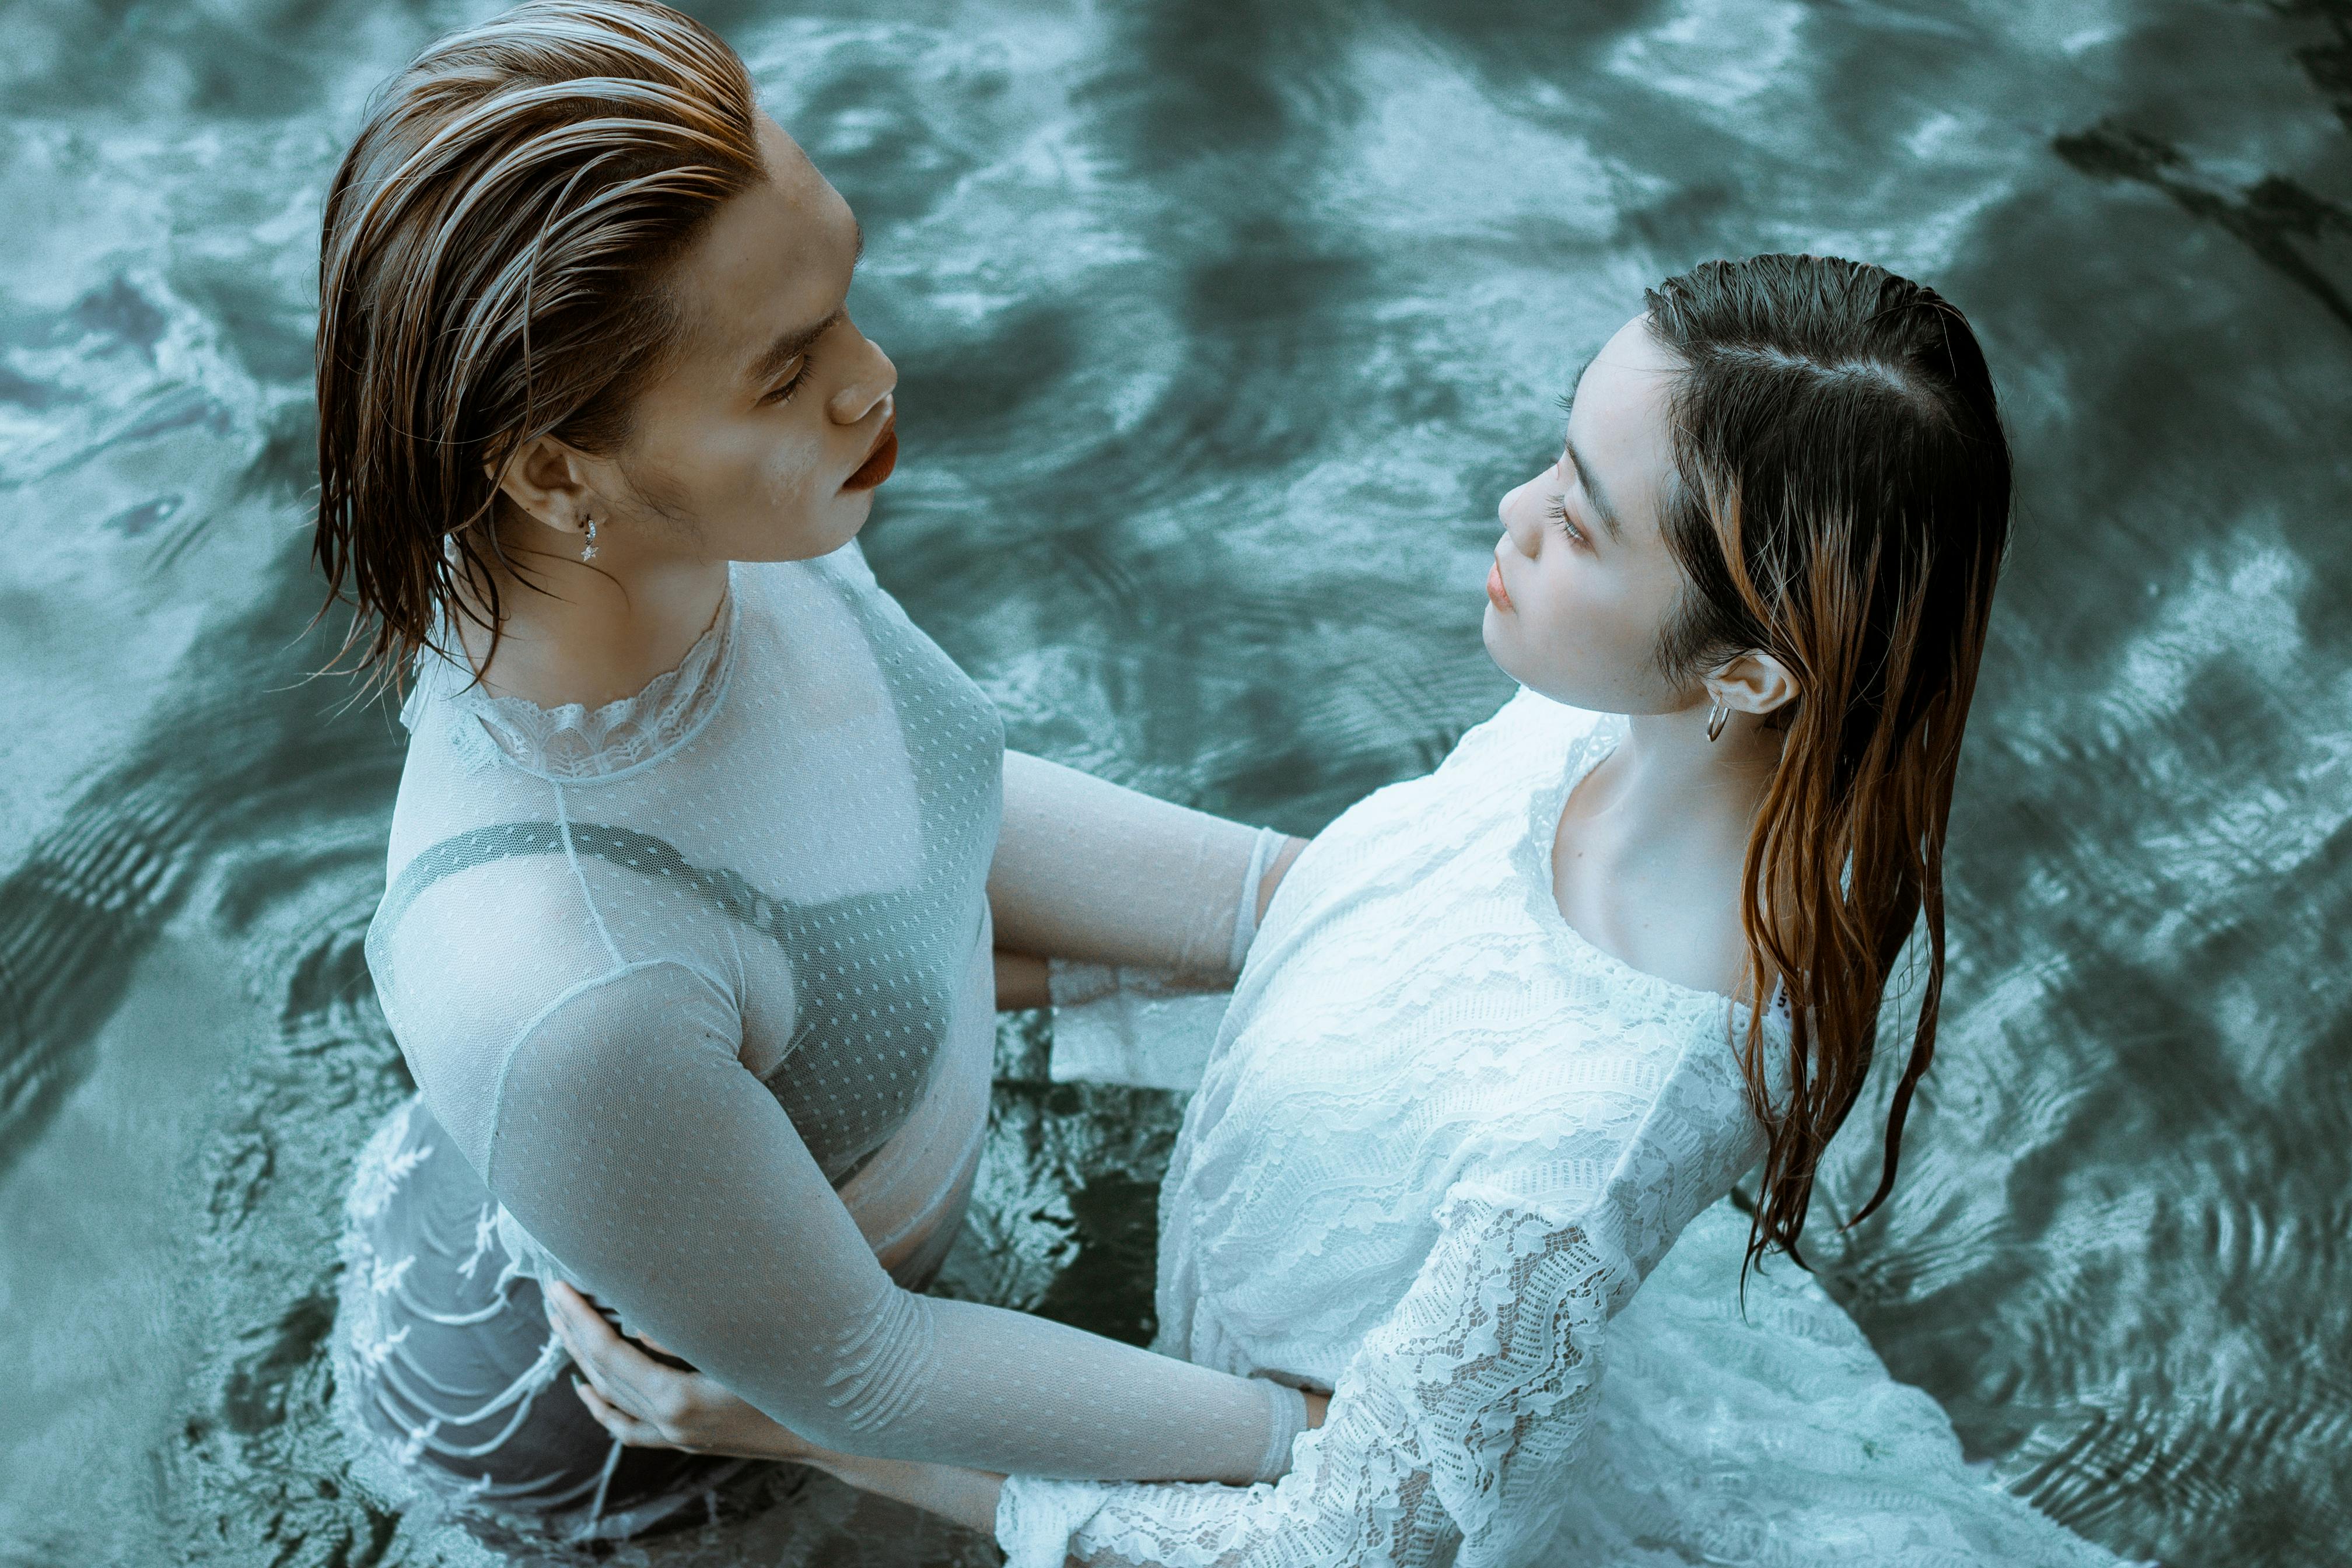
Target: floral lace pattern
1440, 1142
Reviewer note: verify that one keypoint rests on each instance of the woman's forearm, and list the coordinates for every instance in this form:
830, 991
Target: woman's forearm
1087, 869
1023, 978
965, 1497
1275, 872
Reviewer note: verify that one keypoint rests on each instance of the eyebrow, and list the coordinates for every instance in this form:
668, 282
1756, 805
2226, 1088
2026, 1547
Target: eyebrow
1592, 492
790, 345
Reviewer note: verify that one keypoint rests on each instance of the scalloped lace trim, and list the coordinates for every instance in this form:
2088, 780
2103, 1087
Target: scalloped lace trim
575, 741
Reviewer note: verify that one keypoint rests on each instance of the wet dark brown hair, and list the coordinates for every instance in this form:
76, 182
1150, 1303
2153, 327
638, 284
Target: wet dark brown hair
1839, 499
492, 268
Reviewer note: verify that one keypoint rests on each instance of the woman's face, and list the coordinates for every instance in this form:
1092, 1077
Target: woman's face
764, 438
1583, 581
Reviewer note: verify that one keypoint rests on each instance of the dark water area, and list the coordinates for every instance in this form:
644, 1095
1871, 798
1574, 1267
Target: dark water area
1223, 327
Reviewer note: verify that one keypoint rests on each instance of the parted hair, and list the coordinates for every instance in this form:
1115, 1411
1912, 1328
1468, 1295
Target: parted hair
1840, 498
492, 268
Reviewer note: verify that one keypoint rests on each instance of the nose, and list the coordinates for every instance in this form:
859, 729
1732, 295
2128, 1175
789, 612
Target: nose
870, 387
1518, 510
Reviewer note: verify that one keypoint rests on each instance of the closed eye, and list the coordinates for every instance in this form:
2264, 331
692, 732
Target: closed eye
1557, 510
784, 394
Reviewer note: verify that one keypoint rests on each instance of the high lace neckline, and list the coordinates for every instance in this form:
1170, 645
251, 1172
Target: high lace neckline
572, 741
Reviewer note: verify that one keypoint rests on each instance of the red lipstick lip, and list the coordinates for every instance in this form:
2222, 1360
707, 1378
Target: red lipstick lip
881, 459
1497, 594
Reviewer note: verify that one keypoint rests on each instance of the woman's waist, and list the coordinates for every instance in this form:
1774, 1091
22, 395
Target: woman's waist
907, 1198
1298, 1170
918, 1179
1296, 1317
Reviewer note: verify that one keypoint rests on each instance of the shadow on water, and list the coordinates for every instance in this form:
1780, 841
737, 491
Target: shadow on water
248, 769
2275, 218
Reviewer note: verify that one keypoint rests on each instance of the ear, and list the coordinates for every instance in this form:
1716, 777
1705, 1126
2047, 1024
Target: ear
549, 480
1755, 682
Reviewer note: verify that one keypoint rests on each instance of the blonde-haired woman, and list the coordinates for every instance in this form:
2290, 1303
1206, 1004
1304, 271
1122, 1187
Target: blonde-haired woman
701, 851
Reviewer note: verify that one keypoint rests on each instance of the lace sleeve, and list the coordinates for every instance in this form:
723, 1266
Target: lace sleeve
1450, 1435
648, 1159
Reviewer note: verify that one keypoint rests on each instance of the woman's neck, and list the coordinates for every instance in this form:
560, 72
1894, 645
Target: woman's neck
1652, 843
589, 632
1666, 781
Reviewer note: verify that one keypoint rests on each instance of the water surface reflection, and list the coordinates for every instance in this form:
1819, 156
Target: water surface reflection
1222, 325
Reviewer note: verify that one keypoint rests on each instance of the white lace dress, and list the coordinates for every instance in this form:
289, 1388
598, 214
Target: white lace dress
1439, 1140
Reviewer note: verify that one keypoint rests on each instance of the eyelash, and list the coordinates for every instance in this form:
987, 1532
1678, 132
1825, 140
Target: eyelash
784, 393
1560, 515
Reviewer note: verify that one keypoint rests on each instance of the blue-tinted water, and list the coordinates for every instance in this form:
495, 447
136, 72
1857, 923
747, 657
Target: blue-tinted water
1222, 327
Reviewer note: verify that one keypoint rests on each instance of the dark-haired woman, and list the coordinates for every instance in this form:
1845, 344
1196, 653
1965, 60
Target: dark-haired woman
1499, 1043
701, 849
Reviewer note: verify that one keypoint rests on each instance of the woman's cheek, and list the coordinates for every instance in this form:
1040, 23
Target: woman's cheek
1554, 612
1582, 635
1552, 648
791, 476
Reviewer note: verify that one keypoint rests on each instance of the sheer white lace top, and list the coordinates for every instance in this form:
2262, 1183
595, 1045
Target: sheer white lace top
701, 983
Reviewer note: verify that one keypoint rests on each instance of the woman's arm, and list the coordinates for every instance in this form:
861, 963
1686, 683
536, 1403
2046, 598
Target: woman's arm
1086, 869
637, 1148
1452, 1432
649, 1405
1456, 1421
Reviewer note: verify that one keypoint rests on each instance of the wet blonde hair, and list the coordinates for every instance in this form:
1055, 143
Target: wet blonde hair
492, 268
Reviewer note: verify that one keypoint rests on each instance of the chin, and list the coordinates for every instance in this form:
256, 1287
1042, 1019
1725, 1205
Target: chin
1543, 682
855, 509
840, 523
1491, 633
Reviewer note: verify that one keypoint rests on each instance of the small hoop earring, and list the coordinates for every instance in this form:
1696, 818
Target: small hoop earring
1717, 717
588, 550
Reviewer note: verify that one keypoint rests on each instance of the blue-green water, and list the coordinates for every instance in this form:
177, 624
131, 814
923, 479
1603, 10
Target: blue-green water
1222, 327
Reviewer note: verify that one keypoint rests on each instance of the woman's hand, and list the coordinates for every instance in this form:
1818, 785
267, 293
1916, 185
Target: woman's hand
648, 1405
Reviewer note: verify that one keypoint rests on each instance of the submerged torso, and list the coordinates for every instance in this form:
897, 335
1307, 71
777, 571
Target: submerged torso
803, 814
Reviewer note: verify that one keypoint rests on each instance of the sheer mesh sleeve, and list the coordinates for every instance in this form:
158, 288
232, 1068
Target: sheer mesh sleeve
637, 1149
1146, 908
1452, 1426
1087, 870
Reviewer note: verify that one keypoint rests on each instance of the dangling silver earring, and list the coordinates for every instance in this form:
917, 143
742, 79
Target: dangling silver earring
588, 550
1717, 717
